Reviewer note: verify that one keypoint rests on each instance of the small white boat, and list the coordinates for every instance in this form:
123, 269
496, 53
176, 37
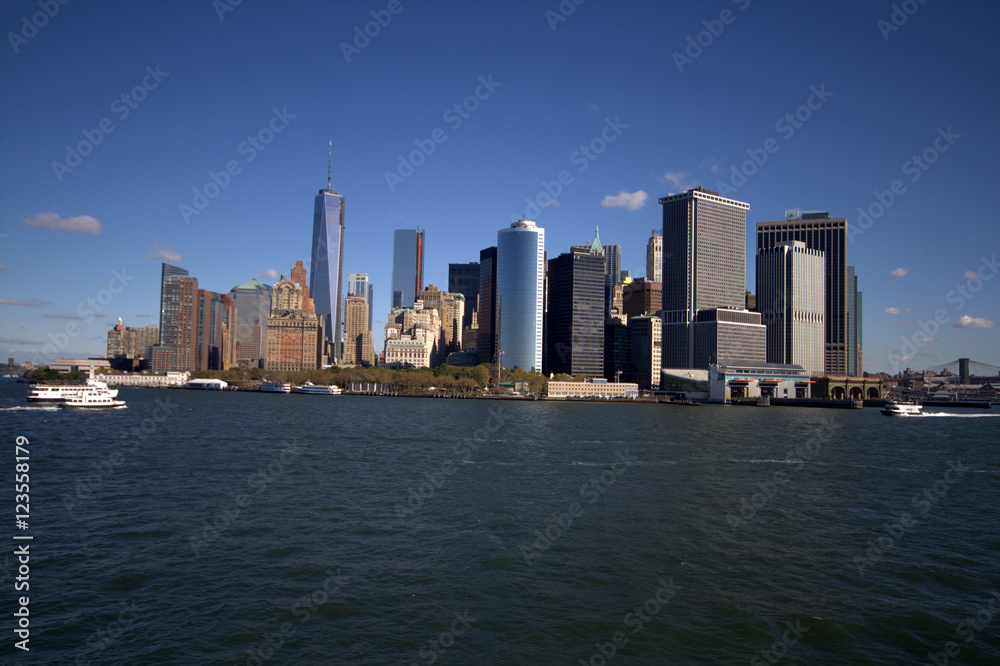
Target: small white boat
894, 408
275, 387
314, 389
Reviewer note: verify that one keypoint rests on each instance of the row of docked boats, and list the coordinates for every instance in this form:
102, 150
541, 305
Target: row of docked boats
307, 388
92, 395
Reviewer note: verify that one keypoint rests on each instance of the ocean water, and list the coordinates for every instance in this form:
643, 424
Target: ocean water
244, 528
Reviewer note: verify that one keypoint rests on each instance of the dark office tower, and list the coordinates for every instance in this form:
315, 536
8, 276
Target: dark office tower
326, 272
216, 331
821, 232
704, 270
963, 371
178, 348
641, 297
612, 273
407, 266
464, 279
617, 351
486, 339
575, 325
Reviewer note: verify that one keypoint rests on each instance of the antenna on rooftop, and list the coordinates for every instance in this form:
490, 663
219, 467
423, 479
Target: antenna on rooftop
329, 165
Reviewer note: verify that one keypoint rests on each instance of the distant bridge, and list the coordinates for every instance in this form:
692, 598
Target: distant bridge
976, 369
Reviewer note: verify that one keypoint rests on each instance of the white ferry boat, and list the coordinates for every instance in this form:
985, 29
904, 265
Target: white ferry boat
275, 387
92, 401
58, 393
313, 389
894, 408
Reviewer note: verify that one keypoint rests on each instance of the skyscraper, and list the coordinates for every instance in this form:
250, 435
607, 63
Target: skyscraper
855, 363
521, 294
357, 337
178, 348
407, 266
295, 338
654, 257
486, 337
358, 285
704, 275
326, 270
464, 279
790, 297
253, 307
574, 333
820, 232
216, 331
612, 272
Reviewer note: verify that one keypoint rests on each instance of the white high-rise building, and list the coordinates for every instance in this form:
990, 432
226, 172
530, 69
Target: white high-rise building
654, 257
521, 294
791, 297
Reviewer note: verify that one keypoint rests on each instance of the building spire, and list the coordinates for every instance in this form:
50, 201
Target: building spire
329, 165
595, 247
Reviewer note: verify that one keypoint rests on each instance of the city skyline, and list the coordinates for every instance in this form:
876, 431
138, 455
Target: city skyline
862, 136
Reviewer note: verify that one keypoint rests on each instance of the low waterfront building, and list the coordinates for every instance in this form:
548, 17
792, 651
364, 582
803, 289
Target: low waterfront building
742, 380
145, 379
597, 389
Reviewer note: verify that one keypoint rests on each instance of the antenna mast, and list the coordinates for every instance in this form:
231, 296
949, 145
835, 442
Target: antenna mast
329, 165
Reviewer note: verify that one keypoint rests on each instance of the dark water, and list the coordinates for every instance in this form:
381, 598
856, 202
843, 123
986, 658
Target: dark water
289, 529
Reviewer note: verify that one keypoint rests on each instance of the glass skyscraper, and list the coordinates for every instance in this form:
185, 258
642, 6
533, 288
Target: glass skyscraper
326, 271
575, 320
464, 279
253, 307
407, 266
486, 339
521, 294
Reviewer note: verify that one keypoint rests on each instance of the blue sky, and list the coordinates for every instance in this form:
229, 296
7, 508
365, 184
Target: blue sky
549, 83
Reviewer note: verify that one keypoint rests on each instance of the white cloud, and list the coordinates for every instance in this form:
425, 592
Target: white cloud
973, 322
631, 201
82, 224
67, 315
31, 302
677, 179
269, 274
923, 340
900, 272
968, 275
893, 310
157, 251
